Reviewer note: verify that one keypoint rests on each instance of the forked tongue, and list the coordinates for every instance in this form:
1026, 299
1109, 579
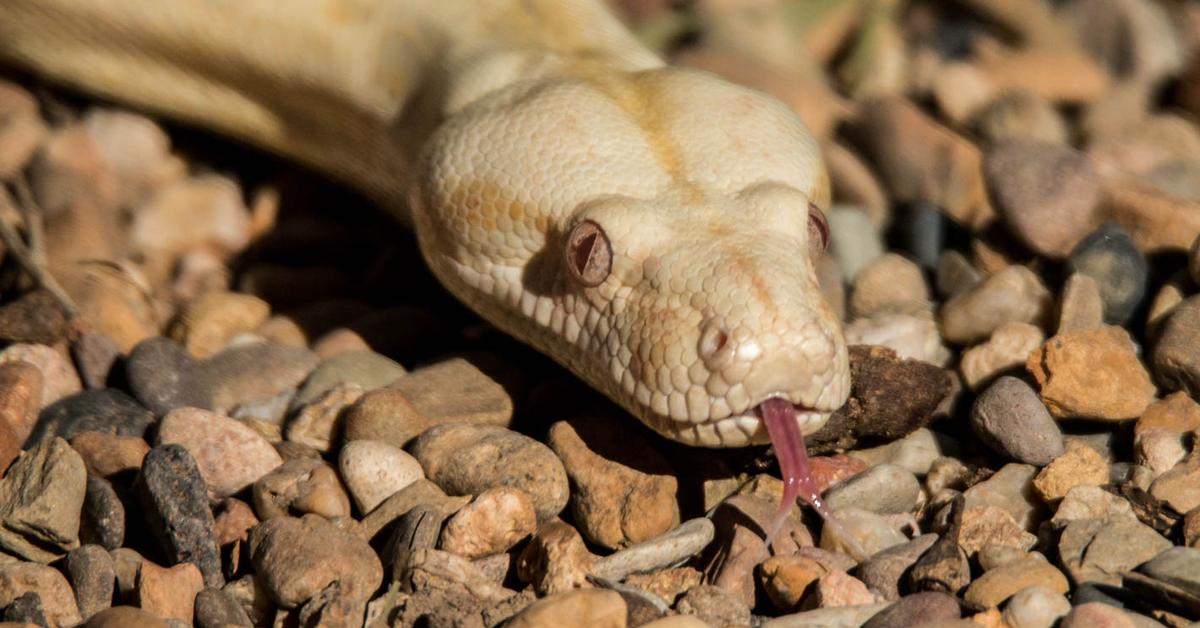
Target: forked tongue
780, 418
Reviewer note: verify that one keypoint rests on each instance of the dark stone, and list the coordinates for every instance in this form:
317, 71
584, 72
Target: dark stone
106, 410
1174, 358
94, 355
102, 520
923, 234
884, 571
890, 397
163, 376
93, 576
36, 317
918, 609
1011, 420
217, 609
27, 609
175, 499
1110, 257
944, 568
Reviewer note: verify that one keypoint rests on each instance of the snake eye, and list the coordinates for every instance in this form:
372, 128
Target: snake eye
588, 254
818, 231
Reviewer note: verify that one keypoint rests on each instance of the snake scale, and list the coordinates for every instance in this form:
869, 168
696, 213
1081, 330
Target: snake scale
651, 228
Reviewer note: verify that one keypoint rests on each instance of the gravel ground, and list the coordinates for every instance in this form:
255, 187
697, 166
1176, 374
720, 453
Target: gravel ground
231, 394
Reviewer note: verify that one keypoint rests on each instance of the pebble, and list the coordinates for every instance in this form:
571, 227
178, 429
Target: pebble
841, 617
106, 455
169, 593
1010, 488
22, 129
1179, 487
59, 378
205, 211
163, 377
137, 149
1178, 566
955, 274
495, 521
925, 607
555, 559
1021, 115
317, 424
367, 369
175, 502
658, 553
915, 452
230, 455
1093, 374
102, 519
1035, 607
1079, 465
1096, 615
456, 391
1011, 420
1159, 450
256, 372
106, 410
889, 283
41, 496
94, 355
34, 318
1001, 583
217, 609
1080, 307
882, 572
714, 606
1013, 294
1158, 221
1004, 351
125, 617
92, 575
837, 588
466, 459
385, 416
854, 241
871, 531
944, 566
20, 398
1110, 257
57, 600
739, 529
788, 578
1176, 364
912, 337
373, 471
1088, 501
585, 607
623, 490
301, 485
1093, 550
883, 489
1047, 193
990, 526
296, 559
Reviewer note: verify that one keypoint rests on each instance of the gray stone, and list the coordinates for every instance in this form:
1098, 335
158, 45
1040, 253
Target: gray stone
1110, 257
175, 499
1011, 419
366, 368
884, 489
163, 376
1179, 566
687, 540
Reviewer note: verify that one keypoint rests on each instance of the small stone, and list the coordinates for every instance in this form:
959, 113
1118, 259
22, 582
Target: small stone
493, 522
915, 452
1093, 550
1079, 465
92, 575
383, 415
317, 424
1047, 193
685, 541
232, 521
829, 470
207, 324
230, 455
787, 579
1092, 374
162, 377
1096, 615
944, 566
912, 337
1005, 350
714, 606
102, 520
255, 372
990, 525
1159, 450
884, 489
1021, 115
1110, 257
302, 485
854, 241
1176, 364
1176, 412
192, 213
465, 459
57, 600
40, 500
1088, 501
1010, 488
868, 530
20, 397
175, 499
1170, 294
1001, 583
624, 491
169, 593
419, 493
106, 410
837, 588
1179, 487
373, 471
922, 608
586, 607
22, 129
296, 559
367, 369
35, 318
1012, 294
883, 571
889, 283
106, 455
555, 559
1011, 420
955, 274
739, 525
837, 616
1081, 307
1035, 607
125, 617
59, 378
217, 609
1157, 220
1179, 566
94, 355
456, 391
137, 148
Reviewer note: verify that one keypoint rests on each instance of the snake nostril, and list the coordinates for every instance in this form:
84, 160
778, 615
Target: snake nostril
713, 340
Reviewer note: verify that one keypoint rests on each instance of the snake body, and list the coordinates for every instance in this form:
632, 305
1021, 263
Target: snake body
649, 227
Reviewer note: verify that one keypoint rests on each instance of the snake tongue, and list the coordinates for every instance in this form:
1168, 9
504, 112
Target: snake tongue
780, 417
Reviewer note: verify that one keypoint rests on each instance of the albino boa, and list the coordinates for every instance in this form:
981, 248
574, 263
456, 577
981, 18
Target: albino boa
649, 227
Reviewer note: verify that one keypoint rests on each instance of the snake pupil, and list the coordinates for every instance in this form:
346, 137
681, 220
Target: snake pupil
589, 254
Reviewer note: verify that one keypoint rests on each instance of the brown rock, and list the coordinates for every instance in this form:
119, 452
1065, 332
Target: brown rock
555, 559
1013, 294
59, 378
206, 325
338, 341
667, 584
1176, 363
230, 455
296, 559
1180, 486
138, 150
588, 607
837, 588
624, 490
989, 525
107, 454
740, 525
232, 521
318, 423
1080, 465
715, 606
169, 592
889, 283
883, 572
456, 391
384, 415
1157, 221
1081, 307
1021, 115
854, 184
58, 601
493, 522
1055, 72
70, 167
40, 501
35, 317
1007, 349
788, 579
301, 485
1046, 193
20, 397
999, 584
922, 161
1094, 374
21, 129
124, 617
421, 492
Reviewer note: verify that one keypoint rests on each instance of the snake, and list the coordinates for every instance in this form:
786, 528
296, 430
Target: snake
652, 228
